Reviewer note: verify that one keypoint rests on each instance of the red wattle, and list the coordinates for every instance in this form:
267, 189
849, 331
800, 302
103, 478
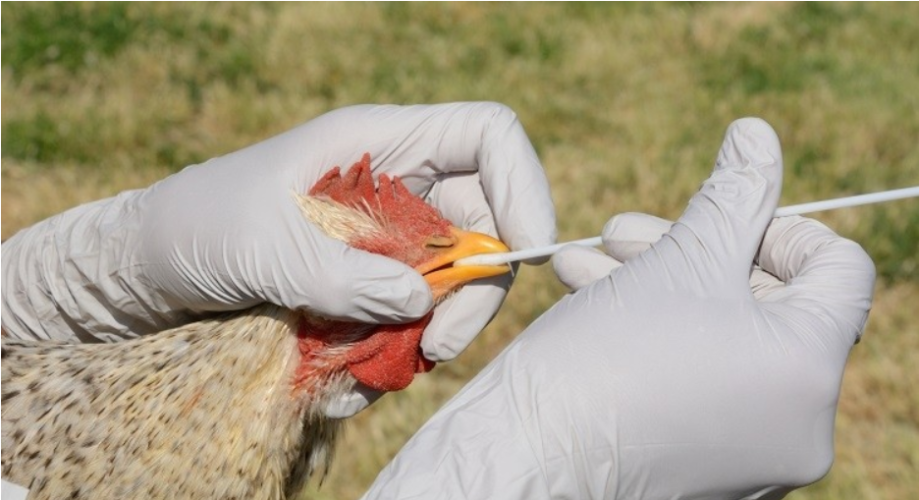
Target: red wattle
386, 360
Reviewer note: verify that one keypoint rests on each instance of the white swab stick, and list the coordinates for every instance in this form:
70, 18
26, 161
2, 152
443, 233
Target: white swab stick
494, 259
848, 201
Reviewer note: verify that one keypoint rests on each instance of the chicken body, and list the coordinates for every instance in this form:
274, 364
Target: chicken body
229, 407
202, 411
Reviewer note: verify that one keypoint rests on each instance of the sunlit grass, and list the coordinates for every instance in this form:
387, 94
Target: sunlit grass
626, 105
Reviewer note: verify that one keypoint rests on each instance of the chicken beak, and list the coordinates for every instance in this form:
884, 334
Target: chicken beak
443, 277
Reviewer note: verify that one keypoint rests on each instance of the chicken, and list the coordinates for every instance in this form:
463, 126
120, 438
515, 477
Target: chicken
229, 407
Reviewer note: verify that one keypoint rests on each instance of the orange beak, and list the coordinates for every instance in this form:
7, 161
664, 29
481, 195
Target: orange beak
439, 272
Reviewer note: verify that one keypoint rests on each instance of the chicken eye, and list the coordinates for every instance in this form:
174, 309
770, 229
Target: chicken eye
436, 242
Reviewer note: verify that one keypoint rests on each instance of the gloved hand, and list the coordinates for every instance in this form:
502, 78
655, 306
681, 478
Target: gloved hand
665, 375
227, 235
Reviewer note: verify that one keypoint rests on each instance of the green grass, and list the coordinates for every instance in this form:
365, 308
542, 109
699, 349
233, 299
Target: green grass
626, 105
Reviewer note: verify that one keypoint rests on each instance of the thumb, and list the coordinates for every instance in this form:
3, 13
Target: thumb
721, 229
341, 282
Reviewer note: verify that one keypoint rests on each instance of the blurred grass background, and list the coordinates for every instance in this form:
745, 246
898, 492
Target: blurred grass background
626, 105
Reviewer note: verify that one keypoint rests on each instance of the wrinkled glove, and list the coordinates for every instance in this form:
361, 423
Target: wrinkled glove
226, 235
665, 375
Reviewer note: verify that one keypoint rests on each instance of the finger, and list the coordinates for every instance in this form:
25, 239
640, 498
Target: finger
627, 235
763, 283
460, 199
460, 318
721, 229
365, 287
286, 260
514, 181
421, 143
301, 268
577, 266
829, 278
349, 404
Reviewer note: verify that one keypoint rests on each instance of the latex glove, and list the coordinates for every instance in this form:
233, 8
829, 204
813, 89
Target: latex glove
226, 234
667, 377
12, 491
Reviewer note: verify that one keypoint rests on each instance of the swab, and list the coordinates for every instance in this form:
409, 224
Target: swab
494, 259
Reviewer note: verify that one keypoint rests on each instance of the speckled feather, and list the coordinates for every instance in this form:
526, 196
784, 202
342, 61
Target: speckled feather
223, 408
201, 411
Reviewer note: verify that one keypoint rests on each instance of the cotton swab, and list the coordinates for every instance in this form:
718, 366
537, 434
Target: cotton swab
494, 259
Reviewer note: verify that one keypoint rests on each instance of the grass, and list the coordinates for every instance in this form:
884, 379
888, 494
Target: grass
626, 105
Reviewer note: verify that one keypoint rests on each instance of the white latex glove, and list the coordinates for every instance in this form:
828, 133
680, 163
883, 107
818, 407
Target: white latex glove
227, 235
668, 377
12, 491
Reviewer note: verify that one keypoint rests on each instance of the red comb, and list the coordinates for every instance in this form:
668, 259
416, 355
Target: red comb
352, 189
391, 199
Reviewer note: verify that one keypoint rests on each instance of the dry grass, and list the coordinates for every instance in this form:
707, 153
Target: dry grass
626, 105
